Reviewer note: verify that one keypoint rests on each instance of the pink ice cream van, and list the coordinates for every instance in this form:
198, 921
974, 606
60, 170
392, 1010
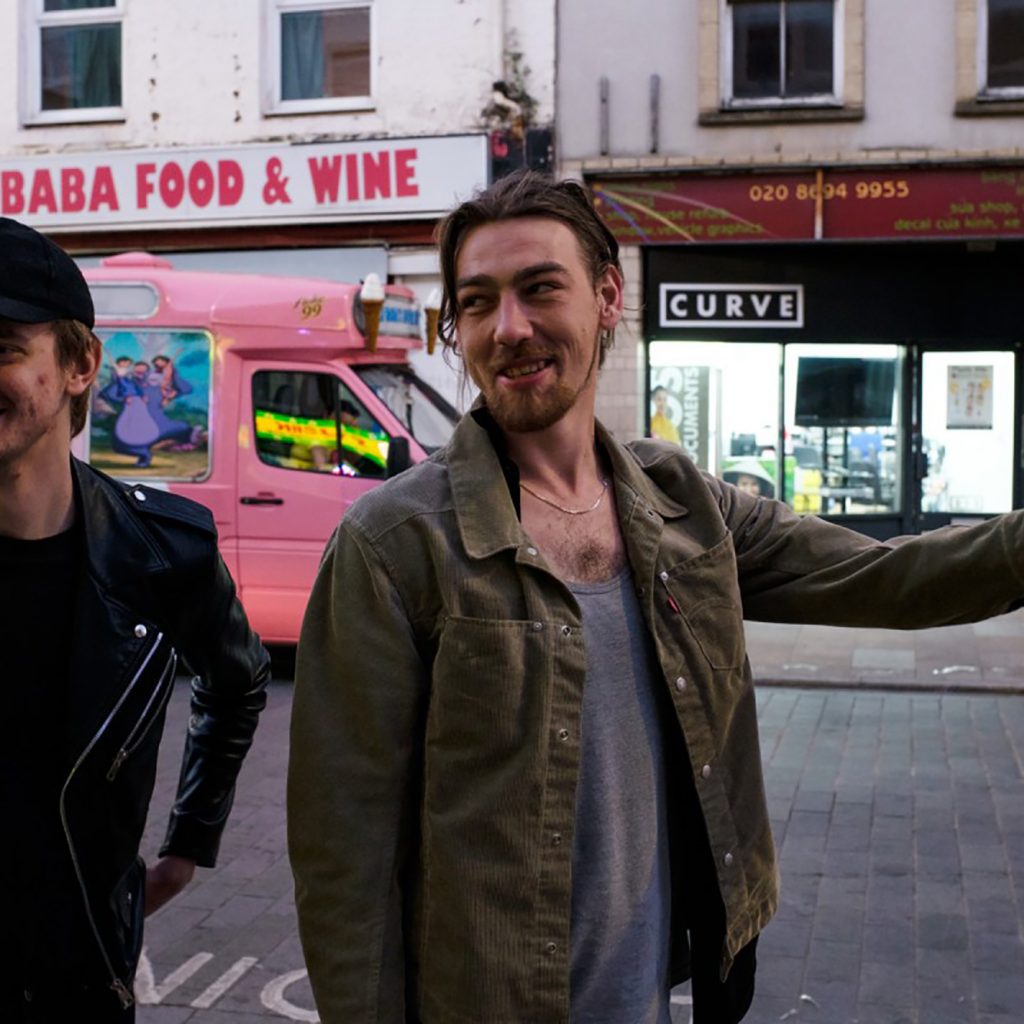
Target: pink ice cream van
265, 398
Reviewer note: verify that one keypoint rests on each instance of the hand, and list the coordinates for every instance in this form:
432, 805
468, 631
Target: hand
165, 879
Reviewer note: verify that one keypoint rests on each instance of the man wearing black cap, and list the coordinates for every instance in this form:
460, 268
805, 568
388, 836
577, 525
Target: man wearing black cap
106, 590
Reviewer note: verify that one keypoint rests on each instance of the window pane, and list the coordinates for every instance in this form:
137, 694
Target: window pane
1005, 43
312, 422
719, 401
81, 67
76, 5
755, 49
843, 431
967, 431
809, 47
325, 54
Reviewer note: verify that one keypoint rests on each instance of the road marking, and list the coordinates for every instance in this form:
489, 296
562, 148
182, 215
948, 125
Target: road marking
273, 998
149, 993
213, 992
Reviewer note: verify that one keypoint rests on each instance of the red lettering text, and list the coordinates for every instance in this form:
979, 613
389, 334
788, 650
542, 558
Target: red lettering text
377, 175
172, 184
72, 189
230, 181
352, 175
405, 170
104, 192
325, 173
144, 188
12, 191
42, 194
200, 183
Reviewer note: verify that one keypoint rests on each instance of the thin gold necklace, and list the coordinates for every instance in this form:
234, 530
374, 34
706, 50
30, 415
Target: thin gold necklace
562, 508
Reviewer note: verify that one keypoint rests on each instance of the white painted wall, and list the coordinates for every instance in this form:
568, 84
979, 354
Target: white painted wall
910, 92
193, 74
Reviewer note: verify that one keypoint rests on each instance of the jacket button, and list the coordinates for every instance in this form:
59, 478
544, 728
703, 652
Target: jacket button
680, 684
566, 631
705, 772
727, 860
651, 513
556, 839
538, 626
551, 947
563, 734
531, 551
139, 495
140, 631
663, 576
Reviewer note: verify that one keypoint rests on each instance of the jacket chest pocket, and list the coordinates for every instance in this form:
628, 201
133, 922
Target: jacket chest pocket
488, 690
704, 592
144, 702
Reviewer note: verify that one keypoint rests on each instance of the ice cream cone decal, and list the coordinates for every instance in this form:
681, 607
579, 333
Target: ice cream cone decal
372, 297
432, 309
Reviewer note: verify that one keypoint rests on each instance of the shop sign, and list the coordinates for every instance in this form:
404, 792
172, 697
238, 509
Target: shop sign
959, 202
731, 305
373, 179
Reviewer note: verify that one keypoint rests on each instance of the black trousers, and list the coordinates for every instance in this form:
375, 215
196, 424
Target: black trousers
715, 1001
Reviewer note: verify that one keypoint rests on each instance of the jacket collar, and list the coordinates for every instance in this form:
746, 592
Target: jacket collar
117, 548
485, 489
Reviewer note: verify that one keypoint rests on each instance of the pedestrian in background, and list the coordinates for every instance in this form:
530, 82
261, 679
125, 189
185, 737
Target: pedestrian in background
525, 783
107, 591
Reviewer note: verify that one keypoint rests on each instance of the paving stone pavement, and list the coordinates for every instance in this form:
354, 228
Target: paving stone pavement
900, 822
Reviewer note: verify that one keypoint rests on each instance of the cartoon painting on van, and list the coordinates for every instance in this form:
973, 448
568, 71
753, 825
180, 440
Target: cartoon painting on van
151, 405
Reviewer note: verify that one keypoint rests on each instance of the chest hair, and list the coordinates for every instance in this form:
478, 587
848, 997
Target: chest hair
585, 549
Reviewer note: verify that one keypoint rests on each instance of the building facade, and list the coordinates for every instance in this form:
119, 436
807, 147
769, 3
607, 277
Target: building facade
304, 137
821, 207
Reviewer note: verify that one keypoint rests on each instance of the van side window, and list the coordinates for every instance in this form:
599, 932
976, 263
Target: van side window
312, 422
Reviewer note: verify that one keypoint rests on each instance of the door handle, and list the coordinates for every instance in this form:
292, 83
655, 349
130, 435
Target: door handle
261, 500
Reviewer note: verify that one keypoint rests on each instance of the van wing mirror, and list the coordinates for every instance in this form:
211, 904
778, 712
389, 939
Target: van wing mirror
399, 456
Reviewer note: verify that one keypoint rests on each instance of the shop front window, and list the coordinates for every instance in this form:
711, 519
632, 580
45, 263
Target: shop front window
967, 432
843, 431
719, 401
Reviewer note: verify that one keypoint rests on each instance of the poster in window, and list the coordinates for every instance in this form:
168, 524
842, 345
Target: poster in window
969, 404
679, 408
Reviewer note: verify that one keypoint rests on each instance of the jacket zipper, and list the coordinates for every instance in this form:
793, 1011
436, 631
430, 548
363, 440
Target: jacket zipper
128, 747
124, 994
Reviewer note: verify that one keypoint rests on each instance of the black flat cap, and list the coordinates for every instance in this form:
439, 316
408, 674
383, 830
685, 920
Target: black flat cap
39, 281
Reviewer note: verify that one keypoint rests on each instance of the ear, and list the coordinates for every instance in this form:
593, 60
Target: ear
82, 372
609, 297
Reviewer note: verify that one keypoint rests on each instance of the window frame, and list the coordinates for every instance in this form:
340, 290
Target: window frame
985, 92
273, 104
34, 20
817, 100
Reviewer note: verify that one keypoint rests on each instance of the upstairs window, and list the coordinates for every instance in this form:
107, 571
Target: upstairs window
1002, 40
73, 60
319, 56
780, 52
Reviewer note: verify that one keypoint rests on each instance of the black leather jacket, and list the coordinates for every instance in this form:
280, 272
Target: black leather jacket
155, 596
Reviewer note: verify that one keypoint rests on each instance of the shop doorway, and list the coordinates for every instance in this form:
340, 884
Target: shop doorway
966, 453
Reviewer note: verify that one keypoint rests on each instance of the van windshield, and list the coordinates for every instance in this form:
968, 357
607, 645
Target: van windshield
425, 414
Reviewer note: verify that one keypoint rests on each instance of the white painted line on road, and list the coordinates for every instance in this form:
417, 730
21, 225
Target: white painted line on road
273, 998
149, 993
213, 992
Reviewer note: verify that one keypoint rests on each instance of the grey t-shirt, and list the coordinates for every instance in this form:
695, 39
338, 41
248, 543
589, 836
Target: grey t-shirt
621, 889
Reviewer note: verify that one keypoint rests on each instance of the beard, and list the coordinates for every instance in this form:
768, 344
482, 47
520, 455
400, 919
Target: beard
529, 411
